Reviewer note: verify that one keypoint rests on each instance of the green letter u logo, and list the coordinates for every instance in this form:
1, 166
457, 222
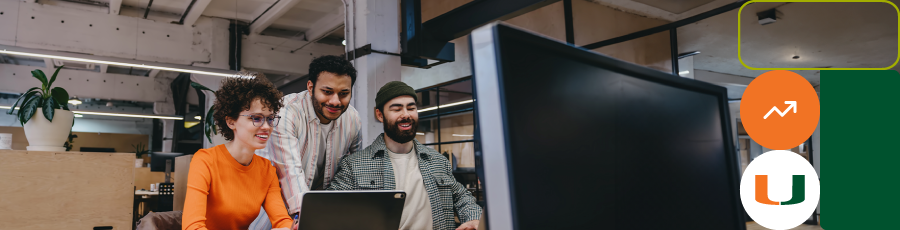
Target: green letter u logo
798, 190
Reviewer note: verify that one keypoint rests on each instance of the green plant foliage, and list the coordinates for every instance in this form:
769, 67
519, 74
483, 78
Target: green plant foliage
140, 149
209, 125
71, 140
45, 97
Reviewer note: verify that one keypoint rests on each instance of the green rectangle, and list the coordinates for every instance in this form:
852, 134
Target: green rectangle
860, 163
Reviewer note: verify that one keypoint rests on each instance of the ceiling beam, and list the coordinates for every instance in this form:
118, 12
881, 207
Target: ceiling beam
193, 12
271, 15
115, 6
153, 73
48, 63
325, 26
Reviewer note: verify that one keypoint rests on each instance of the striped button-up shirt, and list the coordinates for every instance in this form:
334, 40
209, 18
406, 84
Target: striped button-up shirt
294, 145
371, 169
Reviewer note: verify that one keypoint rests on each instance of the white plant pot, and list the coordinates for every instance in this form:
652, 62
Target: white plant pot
44, 135
139, 162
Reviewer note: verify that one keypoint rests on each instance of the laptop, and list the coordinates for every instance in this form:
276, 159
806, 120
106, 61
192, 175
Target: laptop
375, 210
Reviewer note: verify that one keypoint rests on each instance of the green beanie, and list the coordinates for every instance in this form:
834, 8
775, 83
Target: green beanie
392, 90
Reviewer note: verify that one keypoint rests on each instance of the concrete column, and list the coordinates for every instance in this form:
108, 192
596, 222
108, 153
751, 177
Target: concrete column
373, 22
168, 134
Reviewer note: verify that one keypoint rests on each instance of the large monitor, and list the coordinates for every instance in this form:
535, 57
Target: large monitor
158, 161
573, 139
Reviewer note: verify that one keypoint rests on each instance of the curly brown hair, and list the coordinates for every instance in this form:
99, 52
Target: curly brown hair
237, 94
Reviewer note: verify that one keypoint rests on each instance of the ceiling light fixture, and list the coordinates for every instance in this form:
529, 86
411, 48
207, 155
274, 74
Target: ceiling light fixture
462, 135
420, 134
78, 115
74, 101
116, 114
4, 51
684, 72
344, 42
197, 117
447, 105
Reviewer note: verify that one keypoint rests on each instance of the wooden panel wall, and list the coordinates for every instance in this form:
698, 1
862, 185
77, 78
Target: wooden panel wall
121, 142
182, 168
143, 177
66, 190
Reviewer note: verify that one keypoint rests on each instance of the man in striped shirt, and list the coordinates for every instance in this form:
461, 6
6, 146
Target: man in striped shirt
317, 128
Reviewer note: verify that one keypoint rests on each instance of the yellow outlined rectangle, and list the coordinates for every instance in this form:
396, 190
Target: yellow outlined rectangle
881, 1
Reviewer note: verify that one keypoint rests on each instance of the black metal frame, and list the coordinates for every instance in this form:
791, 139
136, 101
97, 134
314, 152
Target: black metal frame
235, 39
570, 22
147, 11
186, 11
431, 40
438, 113
672, 28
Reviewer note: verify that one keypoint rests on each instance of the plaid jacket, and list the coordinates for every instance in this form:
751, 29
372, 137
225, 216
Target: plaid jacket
371, 169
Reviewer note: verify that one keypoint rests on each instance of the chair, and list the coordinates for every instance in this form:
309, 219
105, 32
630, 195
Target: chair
165, 199
160, 221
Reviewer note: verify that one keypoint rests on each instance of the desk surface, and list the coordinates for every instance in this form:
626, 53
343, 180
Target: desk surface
145, 192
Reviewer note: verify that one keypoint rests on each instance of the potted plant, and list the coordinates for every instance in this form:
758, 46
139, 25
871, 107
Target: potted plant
139, 150
44, 114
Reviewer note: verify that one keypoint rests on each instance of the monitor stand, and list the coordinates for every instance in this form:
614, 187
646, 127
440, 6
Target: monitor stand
168, 170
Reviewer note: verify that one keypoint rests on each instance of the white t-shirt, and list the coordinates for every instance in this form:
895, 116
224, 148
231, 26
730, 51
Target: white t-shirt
416, 209
318, 183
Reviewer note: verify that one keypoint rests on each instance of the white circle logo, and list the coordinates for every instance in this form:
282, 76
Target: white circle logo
780, 189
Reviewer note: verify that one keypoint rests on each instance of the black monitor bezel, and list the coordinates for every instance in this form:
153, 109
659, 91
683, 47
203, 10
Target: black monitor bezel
505, 31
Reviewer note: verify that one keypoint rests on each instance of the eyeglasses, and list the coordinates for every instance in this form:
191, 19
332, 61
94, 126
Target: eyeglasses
258, 119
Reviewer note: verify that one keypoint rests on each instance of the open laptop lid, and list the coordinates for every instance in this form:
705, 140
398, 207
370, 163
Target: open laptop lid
375, 210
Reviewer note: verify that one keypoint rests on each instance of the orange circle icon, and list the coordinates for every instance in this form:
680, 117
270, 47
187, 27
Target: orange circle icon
780, 109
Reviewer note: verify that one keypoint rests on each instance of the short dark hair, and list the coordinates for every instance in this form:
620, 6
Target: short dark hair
237, 94
332, 64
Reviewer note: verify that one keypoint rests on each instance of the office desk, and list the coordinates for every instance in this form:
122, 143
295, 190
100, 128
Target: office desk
145, 193
142, 201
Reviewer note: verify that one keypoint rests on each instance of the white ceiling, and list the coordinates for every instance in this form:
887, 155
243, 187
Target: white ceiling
299, 18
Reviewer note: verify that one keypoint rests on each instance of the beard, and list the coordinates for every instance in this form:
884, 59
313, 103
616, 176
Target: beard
320, 109
400, 136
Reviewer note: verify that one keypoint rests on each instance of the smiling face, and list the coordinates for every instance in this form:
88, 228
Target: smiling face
400, 118
246, 132
331, 95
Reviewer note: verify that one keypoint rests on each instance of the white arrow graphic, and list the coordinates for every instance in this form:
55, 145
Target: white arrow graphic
793, 104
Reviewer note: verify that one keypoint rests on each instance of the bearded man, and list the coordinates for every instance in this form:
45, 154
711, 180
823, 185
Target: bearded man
396, 161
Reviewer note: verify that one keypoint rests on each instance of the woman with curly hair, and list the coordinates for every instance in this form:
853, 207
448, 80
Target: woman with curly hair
228, 183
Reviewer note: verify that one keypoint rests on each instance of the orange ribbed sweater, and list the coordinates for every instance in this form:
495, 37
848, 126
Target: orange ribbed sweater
223, 194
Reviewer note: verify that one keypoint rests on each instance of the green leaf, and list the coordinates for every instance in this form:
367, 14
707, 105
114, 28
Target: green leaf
22, 99
210, 120
54, 104
52, 79
60, 94
28, 109
48, 108
42, 77
209, 124
200, 87
33, 89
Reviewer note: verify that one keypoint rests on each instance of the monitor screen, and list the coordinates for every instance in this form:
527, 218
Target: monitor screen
97, 150
158, 161
572, 139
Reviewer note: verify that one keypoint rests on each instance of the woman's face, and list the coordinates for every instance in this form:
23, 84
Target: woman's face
248, 133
